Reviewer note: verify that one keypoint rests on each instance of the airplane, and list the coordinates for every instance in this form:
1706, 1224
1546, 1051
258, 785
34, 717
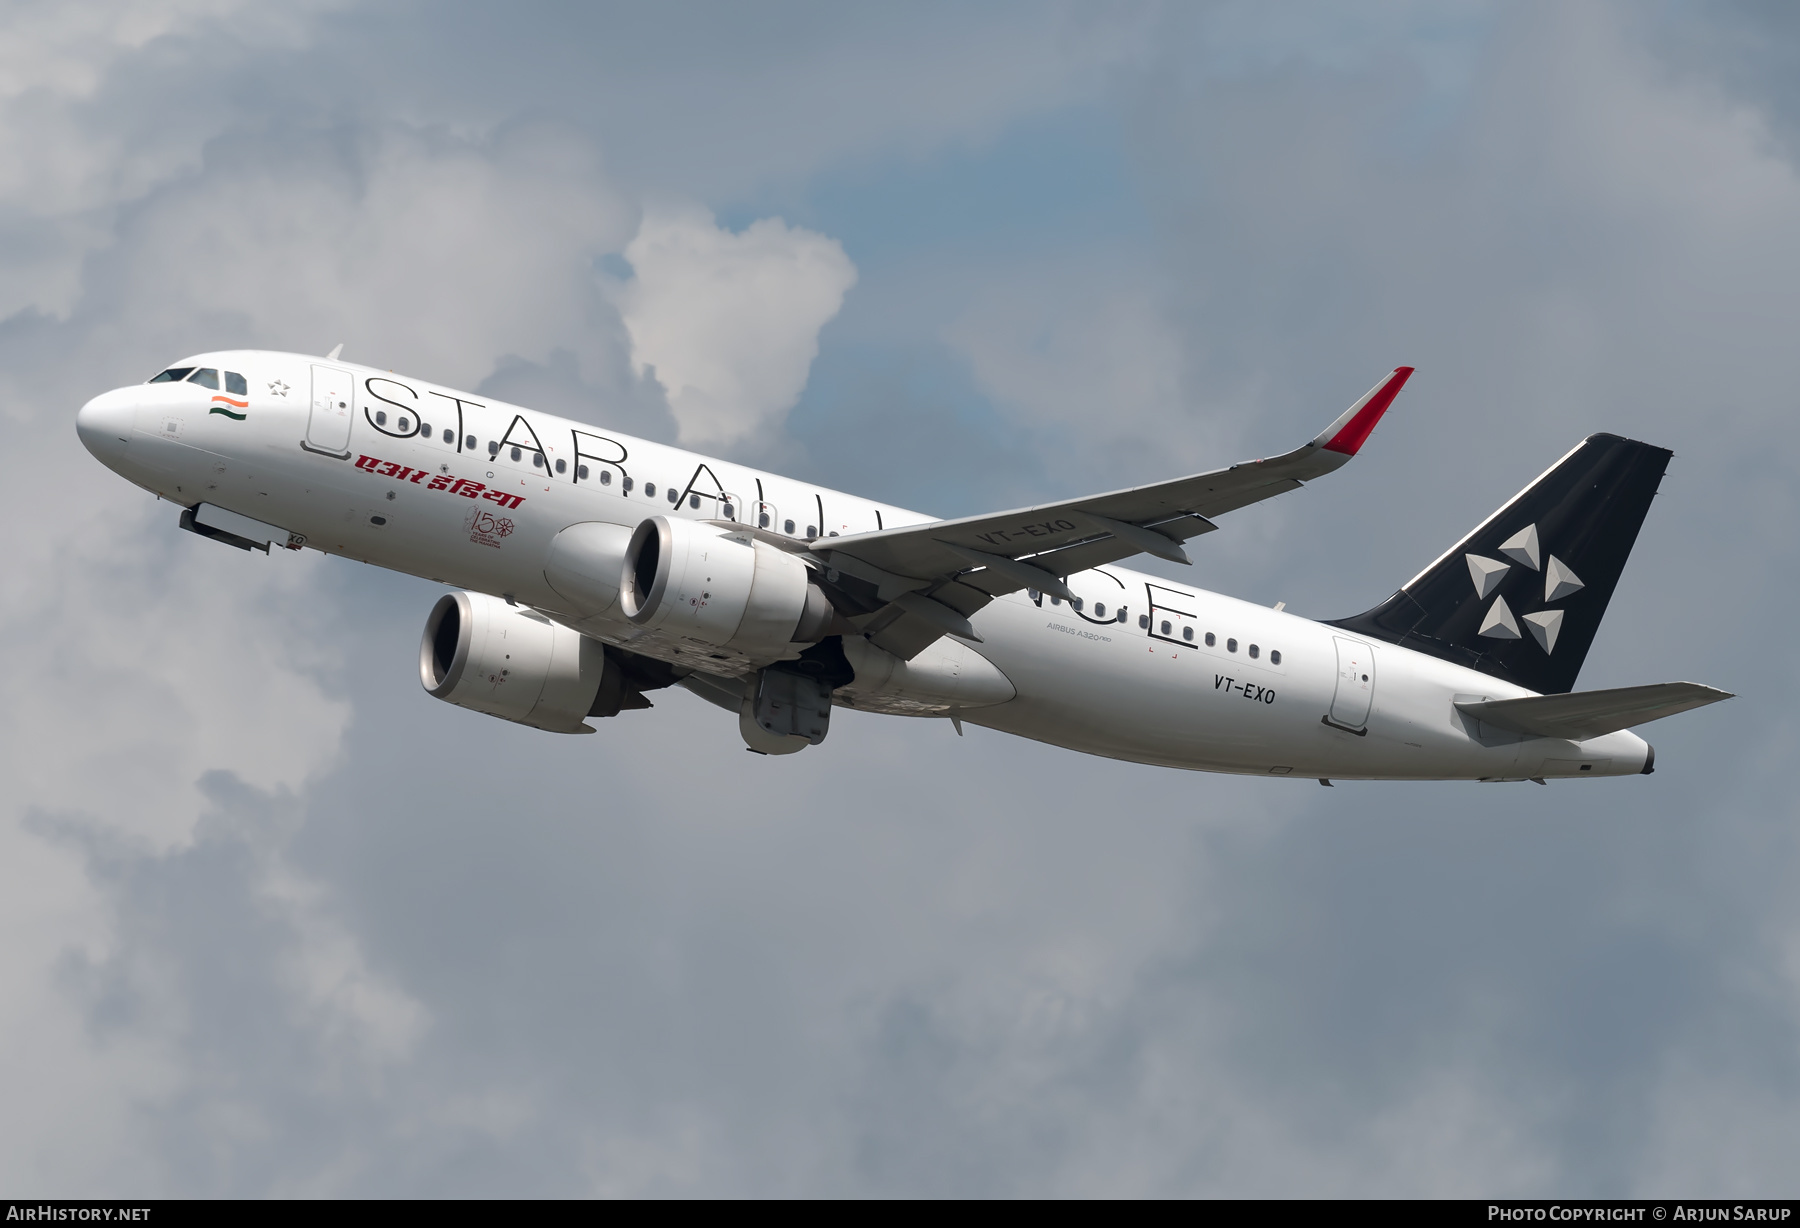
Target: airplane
588, 569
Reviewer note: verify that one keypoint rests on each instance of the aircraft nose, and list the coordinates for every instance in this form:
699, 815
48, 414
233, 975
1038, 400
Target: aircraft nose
105, 423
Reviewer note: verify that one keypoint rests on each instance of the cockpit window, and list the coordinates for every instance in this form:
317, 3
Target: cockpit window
173, 375
234, 383
206, 377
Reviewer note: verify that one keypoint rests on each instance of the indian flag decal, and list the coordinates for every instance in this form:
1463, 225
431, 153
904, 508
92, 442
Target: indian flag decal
220, 402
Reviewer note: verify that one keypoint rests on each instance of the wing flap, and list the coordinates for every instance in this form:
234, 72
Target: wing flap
1579, 715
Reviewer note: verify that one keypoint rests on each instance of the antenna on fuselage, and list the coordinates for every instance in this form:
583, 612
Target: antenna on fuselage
335, 351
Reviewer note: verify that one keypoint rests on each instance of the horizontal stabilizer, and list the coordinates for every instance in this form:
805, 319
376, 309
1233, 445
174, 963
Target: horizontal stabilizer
1580, 715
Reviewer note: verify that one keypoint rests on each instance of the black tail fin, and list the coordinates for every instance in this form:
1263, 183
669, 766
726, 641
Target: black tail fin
1522, 596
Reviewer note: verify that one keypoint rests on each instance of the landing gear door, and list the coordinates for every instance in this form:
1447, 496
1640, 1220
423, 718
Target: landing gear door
1355, 685
328, 429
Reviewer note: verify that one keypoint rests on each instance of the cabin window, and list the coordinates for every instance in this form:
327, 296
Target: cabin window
625, 485
405, 423
468, 442
1055, 600
649, 490
493, 448
812, 531
537, 460
1099, 609
425, 429
1075, 603
1187, 633
235, 384
1211, 639
174, 375
1230, 645
674, 495
1275, 657
694, 502
381, 417
518, 454
206, 377
728, 512
833, 533
787, 526
762, 521
562, 466
1165, 627
450, 436
1143, 622
1255, 652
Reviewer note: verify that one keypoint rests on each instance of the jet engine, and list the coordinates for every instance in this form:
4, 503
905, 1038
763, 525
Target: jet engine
479, 652
720, 587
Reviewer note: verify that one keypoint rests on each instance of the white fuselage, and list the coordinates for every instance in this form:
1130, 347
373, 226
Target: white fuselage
1313, 701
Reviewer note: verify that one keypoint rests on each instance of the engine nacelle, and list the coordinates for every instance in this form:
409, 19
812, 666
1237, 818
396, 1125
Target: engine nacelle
479, 652
721, 587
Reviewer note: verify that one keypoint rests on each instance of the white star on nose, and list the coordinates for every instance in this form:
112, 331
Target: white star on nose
277, 388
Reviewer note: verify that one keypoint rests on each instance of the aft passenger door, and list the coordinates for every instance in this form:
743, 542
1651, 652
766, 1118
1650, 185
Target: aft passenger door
328, 428
1355, 685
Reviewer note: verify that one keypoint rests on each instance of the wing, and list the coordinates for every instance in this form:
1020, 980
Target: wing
905, 587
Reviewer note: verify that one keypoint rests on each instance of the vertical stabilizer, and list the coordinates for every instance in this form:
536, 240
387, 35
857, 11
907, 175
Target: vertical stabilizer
1522, 596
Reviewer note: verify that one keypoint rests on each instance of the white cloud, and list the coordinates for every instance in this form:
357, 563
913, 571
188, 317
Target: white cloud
423, 251
729, 323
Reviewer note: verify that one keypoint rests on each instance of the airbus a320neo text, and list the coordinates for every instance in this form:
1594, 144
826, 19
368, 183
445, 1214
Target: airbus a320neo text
588, 569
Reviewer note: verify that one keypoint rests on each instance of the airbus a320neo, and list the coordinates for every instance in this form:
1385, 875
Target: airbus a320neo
589, 569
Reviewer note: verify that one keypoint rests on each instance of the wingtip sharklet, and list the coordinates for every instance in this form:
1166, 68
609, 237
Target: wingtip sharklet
1352, 428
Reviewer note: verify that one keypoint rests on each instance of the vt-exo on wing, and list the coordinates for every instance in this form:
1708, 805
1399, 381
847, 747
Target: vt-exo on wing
589, 569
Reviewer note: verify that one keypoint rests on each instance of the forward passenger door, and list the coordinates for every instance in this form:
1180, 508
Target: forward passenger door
328, 427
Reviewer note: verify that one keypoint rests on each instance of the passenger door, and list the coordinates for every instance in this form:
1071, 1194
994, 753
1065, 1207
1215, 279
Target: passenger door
1355, 685
328, 428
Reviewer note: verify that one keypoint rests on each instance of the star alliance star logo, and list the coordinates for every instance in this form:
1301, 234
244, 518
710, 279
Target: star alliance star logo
277, 388
1559, 581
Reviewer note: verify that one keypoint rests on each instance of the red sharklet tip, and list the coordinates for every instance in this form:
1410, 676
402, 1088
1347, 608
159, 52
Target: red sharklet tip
1355, 432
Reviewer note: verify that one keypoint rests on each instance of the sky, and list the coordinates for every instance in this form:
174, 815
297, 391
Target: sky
273, 922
